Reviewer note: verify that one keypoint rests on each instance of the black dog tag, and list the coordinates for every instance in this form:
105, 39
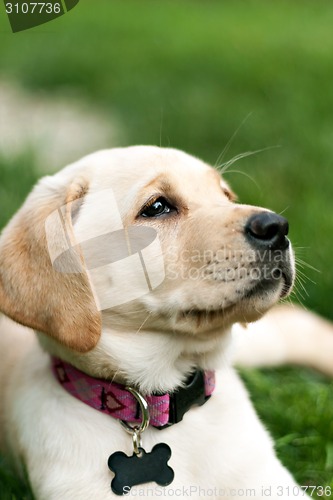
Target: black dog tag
140, 469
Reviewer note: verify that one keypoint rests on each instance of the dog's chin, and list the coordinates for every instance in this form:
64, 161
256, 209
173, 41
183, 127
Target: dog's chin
203, 321
249, 307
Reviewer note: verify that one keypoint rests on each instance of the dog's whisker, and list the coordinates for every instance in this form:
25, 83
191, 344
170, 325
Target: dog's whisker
289, 301
299, 251
115, 375
161, 126
245, 174
222, 168
304, 277
143, 323
294, 295
284, 210
230, 140
300, 272
300, 283
132, 312
297, 290
303, 263
286, 300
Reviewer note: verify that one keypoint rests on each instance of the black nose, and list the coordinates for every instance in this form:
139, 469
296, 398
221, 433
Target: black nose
267, 230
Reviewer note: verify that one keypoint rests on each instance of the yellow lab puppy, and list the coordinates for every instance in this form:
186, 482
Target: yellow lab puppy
133, 266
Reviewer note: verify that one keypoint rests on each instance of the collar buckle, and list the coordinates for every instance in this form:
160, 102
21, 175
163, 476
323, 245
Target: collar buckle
193, 393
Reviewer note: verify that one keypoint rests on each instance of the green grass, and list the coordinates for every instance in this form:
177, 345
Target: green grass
187, 74
17, 176
10, 487
296, 406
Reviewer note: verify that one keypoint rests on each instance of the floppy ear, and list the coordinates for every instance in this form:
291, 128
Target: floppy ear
33, 291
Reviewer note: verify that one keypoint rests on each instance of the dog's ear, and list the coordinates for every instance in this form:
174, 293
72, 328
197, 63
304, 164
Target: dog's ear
53, 299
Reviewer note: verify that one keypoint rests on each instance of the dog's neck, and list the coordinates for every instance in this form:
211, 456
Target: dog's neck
152, 361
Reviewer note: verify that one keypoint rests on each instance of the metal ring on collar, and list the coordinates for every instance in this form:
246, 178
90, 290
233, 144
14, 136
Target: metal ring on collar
138, 429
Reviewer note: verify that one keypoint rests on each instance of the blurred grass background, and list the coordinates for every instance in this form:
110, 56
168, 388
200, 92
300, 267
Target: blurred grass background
189, 74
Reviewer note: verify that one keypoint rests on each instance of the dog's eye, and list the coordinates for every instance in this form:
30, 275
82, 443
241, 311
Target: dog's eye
158, 207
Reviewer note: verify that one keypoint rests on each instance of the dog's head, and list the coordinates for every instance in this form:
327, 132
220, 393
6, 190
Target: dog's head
141, 238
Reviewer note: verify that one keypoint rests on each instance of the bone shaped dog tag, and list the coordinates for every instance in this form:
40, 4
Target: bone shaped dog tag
140, 469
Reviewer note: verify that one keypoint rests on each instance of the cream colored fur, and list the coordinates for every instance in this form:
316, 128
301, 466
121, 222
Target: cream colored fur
220, 449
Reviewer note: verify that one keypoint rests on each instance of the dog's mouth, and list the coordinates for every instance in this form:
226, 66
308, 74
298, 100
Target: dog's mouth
208, 315
287, 285
277, 276
212, 315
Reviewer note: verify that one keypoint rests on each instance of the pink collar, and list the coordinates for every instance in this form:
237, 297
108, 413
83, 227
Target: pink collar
113, 398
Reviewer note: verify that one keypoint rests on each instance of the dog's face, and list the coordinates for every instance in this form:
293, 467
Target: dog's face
187, 259
223, 262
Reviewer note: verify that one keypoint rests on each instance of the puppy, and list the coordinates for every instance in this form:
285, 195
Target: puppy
132, 266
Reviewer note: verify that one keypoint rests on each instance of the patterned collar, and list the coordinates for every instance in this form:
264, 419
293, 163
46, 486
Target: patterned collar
113, 398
